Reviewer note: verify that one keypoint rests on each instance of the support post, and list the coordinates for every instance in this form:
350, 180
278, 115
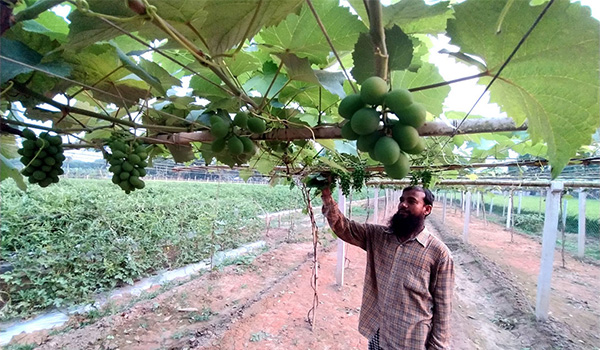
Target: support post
492, 206
548, 245
520, 201
385, 202
376, 206
341, 245
509, 211
564, 213
444, 208
581, 222
478, 203
467, 218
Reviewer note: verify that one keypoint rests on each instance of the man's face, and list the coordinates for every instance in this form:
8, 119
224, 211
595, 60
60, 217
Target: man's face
412, 204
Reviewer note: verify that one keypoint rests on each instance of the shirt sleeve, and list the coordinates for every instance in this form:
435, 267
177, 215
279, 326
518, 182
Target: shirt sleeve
442, 291
349, 231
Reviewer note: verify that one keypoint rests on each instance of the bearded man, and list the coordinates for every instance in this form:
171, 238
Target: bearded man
409, 279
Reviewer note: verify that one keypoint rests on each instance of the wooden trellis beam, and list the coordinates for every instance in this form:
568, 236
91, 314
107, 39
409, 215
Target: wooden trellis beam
435, 128
442, 167
504, 183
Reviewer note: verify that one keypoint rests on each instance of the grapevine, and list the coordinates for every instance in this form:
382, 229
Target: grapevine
42, 157
128, 163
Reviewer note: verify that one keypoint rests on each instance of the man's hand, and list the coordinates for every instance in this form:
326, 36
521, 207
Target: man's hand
321, 181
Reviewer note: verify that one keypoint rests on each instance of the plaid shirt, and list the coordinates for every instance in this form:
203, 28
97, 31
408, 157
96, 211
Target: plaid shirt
408, 287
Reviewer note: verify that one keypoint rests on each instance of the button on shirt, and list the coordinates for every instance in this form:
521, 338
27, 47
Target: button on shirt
408, 287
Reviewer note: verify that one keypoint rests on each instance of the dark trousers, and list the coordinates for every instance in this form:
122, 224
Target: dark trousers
374, 342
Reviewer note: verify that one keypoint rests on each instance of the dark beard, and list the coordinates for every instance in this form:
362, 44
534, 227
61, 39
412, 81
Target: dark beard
403, 227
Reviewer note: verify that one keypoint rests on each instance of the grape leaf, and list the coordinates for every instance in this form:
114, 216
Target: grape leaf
432, 99
400, 52
49, 24
298, 68
225, 24
140, 72
204, 88
415, 16
85, 30
332, 81
8, 170
552, 80
9, 146
307, 95
20, 52
301, 35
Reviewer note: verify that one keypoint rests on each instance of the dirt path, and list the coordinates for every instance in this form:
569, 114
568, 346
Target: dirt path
574, 305
263, 304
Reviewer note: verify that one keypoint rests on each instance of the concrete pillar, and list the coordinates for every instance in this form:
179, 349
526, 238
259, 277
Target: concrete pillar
581, 230
341, 245
520, 201
509, 211
376, 206
478, 203
467, 217
548, 245
444, 208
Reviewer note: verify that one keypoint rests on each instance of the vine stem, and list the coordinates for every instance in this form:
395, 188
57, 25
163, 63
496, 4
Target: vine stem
377, 37
311, 316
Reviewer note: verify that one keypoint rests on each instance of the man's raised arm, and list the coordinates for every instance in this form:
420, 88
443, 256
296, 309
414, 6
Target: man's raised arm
349, 231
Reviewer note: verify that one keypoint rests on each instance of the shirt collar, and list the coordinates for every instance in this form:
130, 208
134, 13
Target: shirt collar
423, 237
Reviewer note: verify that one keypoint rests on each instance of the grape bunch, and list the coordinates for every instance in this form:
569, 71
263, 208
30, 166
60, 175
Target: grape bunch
228, 140
401, 117
359, 175
128, 163
42, 157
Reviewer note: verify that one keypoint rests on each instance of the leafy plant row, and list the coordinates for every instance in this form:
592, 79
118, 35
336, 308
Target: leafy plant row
86, 236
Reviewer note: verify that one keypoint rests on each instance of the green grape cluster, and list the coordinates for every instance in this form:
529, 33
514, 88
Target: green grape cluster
228, 140
128, 163
42, 157
345, 181
421, 178
358, 177
401, 117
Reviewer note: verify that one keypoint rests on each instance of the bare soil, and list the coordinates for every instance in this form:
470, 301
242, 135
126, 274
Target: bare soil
263, 304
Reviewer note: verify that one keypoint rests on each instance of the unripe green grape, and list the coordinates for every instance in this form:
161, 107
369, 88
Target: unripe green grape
39, 175
127, 166
29, 134
241, 120
349, 105
373, 90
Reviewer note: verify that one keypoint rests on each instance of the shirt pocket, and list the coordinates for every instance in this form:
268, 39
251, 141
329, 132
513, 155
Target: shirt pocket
417, 282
